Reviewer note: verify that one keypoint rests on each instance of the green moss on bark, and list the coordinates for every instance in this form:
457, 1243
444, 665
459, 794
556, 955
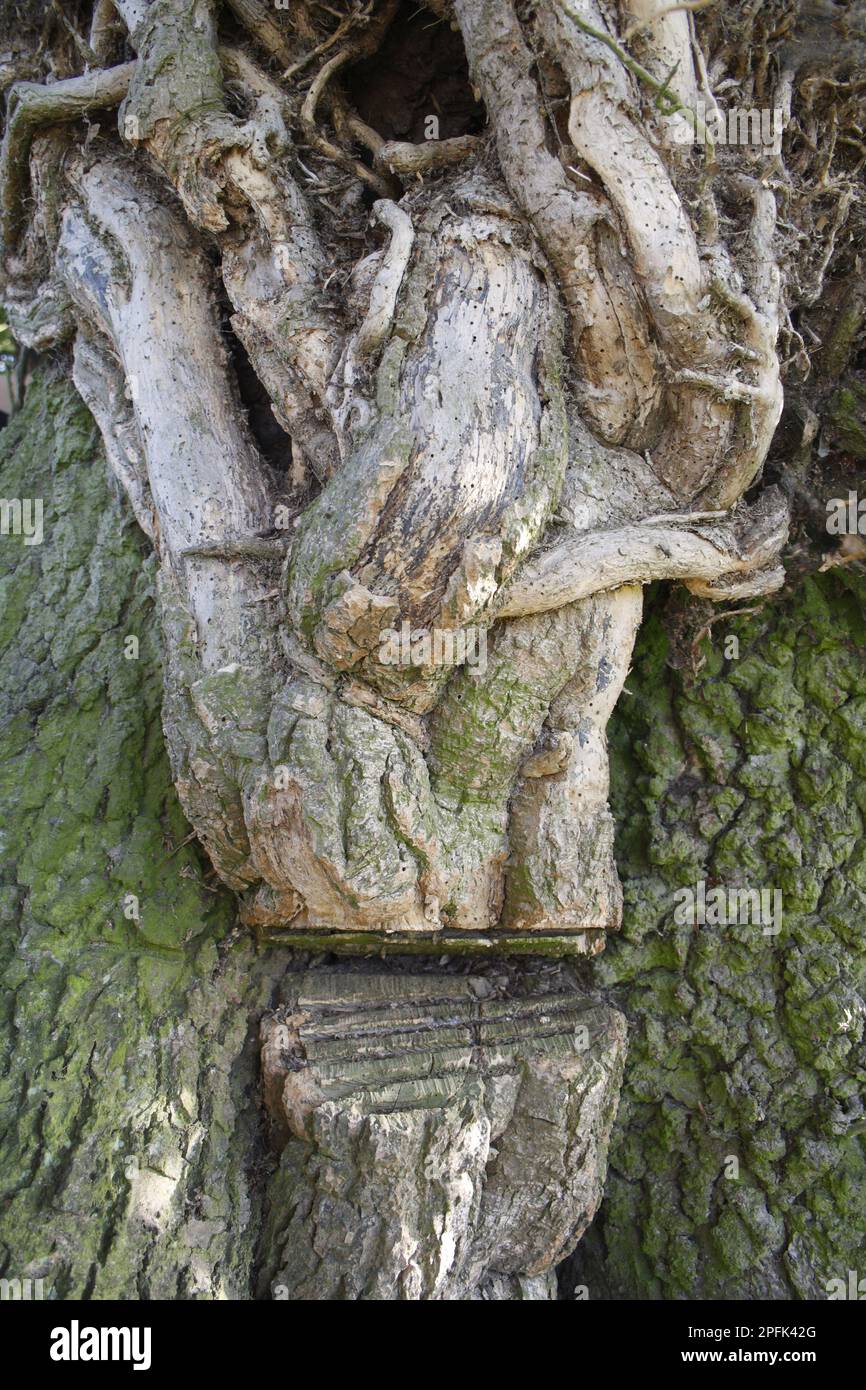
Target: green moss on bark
743, 1045
848, 416
128, 1117
128, 1107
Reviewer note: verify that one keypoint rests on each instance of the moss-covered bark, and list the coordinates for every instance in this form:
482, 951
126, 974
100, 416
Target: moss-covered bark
129, 1154
742, 1044
128, 1117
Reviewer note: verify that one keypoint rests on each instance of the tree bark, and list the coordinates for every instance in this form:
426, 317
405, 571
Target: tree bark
440, 422
736, 1168
132, 1156
407, 418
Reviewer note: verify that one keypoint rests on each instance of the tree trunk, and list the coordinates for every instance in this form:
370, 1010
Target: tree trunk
417, 344
742, 1046
131, 1159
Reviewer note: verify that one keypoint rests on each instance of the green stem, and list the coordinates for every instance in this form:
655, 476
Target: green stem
661, 89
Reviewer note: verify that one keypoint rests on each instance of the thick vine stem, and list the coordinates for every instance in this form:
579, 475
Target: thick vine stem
32, 106
259, 20
203, 472
612, 347
106, 31
386, 286
100, 381
408, 160
597, 561
701, 429
661, 36
534, 397
273, 270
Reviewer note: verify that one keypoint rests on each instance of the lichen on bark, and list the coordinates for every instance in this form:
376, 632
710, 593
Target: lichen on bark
741, 1044
128, 1123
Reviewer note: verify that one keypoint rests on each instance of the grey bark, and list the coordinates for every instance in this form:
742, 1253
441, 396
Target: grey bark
445, 1135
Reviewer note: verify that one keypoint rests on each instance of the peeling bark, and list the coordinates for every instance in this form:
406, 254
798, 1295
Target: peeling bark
433, 1122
